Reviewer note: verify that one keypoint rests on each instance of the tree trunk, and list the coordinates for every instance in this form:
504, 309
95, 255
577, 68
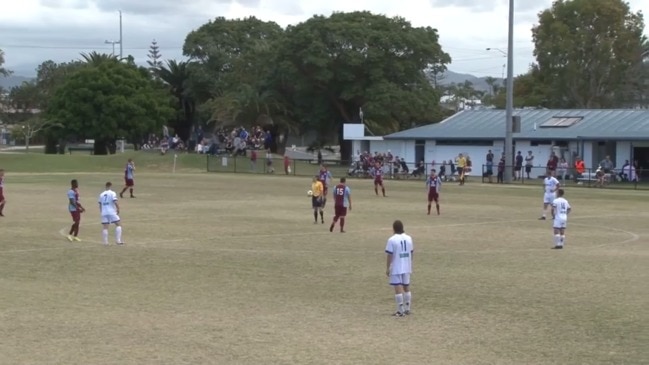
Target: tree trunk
104, 147
50, 146
345, 146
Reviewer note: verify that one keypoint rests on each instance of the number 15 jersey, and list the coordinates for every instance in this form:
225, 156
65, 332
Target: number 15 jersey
401, 248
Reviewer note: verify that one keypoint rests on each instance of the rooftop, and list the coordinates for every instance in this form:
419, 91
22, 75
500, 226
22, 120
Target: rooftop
538, 124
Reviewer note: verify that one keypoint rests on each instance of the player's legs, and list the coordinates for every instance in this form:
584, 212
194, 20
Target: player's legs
382, 188
430, 203
437, 204
396, 282
118, 233
321, 215
2, 205
74, 229
105, 222
376, 187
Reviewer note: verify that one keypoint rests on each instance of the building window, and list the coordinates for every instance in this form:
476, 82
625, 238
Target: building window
476, 142
541, 143
560, 122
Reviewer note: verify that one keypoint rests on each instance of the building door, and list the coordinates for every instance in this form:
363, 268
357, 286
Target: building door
641, 154
420, 150
602, 149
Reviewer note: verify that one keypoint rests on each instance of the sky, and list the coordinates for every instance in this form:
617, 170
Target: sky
32, 31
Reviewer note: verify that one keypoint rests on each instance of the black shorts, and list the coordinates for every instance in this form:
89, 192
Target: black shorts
518, 168
528, 169
316, 201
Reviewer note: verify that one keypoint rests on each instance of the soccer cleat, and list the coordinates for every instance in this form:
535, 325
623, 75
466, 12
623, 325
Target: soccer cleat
76, 239
557, 247
542, 218
323, 221
397, 314
132, 196
316, 222
70, 238
407, 312
331, 228
121, 195
119, 243
341, 231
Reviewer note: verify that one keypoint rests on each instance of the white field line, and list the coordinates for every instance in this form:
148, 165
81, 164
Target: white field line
62, 234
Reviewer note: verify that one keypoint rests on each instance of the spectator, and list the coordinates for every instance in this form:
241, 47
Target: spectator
253, 161
287, 165
562, 170
607, 165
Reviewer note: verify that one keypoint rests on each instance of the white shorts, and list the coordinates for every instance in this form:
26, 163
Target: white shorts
559, 223
109, 219
548, 198
402, 279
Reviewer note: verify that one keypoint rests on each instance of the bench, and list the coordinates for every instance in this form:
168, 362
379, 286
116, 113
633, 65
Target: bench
85, 148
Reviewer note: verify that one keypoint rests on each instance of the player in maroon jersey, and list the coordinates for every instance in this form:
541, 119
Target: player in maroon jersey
75, 208
325, 177
433, 184
378, 179
343, 202
129, 178
2, 196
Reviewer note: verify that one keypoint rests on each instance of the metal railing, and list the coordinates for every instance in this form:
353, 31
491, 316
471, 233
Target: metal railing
623, 178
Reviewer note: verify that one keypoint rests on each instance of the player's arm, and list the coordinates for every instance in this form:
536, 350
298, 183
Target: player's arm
349, 199
116, 206
388, 258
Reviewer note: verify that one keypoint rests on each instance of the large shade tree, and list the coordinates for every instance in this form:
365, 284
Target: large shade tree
333, 66
588, 52
107, 100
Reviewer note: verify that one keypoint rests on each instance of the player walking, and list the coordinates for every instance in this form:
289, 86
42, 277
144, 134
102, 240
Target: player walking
75, 209
561, 208
109, 211
342, 202
129, 181
325, 178
433, 184
317, 199
550, 186
378, 179
2, 195
400, 250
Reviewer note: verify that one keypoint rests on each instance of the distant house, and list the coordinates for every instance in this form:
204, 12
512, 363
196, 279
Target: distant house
592, 134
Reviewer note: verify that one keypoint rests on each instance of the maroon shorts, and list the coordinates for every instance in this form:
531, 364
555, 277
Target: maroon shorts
325, 190
378, 181
129, 182
340, 211
432, 195
76, 216
2, 197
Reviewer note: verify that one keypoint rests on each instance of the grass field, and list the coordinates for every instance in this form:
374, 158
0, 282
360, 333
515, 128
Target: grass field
229, 269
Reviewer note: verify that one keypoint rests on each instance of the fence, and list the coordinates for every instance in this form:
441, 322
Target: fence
619, 178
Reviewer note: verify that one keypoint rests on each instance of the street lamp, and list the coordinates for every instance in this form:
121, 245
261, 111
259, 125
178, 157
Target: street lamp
509, 113
502, 74
113, 43
120, 41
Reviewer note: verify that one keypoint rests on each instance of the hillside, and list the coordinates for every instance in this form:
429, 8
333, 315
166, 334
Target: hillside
11, 81
479, 83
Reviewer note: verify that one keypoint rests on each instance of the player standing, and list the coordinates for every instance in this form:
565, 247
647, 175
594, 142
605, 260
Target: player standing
342, 202
550, 186
129, 181
433, 184
378, 179
560, 209
325, 178
2, 195
317, 199
109, 211
400, 250
75, 209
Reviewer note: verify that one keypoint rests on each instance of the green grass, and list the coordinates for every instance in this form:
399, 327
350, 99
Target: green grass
229, 269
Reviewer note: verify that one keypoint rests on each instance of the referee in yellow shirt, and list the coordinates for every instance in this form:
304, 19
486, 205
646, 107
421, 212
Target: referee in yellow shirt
461, 167
317, 199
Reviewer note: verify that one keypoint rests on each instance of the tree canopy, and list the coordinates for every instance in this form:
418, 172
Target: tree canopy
107, 99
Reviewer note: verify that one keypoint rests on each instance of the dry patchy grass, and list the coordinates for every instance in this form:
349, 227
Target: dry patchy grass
229, 269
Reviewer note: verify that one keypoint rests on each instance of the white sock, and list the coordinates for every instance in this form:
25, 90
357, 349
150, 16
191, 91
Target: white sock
104, 236
557, 240
407, 298
543, 214
562, 239
399, 299
118, 234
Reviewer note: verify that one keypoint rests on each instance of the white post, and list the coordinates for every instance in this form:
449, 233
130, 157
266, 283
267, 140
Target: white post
175, 158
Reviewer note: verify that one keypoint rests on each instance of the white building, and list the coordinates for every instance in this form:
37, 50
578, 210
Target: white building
592, 134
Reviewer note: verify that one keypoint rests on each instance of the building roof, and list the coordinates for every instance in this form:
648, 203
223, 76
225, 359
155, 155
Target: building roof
538, 124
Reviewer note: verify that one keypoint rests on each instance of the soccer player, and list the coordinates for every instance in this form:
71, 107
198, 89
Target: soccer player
400, 250
550, 186
129, 181
561, 208
433, 184
325, 178
461, 167
109, 211
378, 179
342, 202
316, 199
2, 195
75, 209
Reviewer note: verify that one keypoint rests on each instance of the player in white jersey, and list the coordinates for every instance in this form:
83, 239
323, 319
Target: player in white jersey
560, 209
550, 187
109, 211
399, 252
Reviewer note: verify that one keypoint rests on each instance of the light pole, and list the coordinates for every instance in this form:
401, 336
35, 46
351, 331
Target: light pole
120, 41
502, 74
509, 113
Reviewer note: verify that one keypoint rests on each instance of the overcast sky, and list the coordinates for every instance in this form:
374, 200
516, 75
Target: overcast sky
32, 31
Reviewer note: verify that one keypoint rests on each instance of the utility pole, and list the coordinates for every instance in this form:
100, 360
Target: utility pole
509, 114
121, 39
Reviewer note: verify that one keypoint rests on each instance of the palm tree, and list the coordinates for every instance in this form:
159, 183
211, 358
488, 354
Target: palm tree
176, 76
96, 58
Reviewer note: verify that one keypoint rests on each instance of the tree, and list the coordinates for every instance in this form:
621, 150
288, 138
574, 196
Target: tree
154, 56
175, 75
588, 51
29, 128
333, 66
108, 100
3, 71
